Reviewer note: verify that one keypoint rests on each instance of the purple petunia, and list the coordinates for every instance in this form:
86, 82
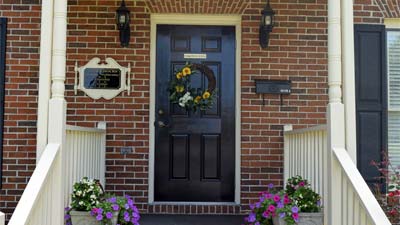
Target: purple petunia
258, 205
295, 209
280, 205
109, 215
251, 218
270, 186
67, 217
115, 207
282, 215
112, 200
99, 217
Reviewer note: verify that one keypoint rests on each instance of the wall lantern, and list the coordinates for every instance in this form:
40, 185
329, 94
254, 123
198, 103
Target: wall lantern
123, 20
267, 23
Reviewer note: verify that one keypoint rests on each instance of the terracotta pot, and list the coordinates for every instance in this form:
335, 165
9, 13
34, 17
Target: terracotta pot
304, 219
84, 218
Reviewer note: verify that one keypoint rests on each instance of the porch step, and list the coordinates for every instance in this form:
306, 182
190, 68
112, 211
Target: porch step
149, 219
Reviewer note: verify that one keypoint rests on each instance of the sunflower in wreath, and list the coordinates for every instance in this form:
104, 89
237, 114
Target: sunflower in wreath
192, 99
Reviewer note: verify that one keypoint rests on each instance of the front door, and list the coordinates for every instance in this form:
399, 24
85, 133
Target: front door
195, 152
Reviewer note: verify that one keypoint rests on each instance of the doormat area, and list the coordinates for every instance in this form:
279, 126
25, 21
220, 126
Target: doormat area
149, 219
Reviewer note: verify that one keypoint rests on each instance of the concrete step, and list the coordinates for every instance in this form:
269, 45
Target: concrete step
150, 219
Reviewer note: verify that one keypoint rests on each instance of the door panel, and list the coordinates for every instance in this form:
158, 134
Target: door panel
195, 153
371, 97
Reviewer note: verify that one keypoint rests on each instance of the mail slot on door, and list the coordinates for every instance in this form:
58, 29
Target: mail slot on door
280, 87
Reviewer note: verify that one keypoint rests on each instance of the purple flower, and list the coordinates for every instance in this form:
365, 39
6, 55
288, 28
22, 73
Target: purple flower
67, 217
67, 209
252, 206
265, 214
112, 200
257, 223
251, 218
282, 215
126, 216
100, 211
318, 203
115, 207
135, 214
99, 217
126, 206
109, 215
268, 196
68, 223
280, 205
271, 185
258, 205
130, 202
295, 209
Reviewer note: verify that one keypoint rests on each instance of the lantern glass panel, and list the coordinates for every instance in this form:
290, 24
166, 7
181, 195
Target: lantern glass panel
267, 20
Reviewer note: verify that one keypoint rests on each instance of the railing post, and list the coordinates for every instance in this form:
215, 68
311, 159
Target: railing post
103, 126
335, 113
286, 153
57, 104
2, 219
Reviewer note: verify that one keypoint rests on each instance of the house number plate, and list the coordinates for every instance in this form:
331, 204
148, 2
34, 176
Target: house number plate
195, 56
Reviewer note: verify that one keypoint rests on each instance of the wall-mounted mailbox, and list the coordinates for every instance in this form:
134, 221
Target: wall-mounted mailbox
280, 87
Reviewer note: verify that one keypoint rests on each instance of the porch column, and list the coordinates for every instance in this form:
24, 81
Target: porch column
57, 104
349, 93
335, 111
46, 41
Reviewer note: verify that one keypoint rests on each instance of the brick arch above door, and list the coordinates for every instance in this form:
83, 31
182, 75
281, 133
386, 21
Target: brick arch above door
196, 6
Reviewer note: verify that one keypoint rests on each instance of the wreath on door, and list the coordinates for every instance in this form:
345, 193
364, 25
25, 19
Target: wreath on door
193, 99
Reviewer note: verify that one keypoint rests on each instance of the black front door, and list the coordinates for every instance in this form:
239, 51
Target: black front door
195, 152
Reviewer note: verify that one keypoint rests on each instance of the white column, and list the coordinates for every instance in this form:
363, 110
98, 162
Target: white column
349, 92
46, 41
57, 104
335, 112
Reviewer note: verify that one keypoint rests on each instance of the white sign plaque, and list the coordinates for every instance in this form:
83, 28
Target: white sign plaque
195, 56
102, 80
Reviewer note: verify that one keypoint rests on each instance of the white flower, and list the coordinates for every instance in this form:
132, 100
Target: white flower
184, 99
78, 193
80, 203
93, 196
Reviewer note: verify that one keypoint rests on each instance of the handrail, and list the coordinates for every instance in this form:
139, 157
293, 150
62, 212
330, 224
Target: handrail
2, 219
85, 129
306, 130
368, 200
31, 195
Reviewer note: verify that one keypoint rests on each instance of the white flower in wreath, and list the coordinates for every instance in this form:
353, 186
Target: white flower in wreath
184, 99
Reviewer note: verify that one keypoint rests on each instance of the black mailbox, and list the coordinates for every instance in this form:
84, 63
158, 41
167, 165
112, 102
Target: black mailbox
279, 87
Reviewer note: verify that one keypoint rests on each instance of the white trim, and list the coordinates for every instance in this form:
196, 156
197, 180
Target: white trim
46, 43
349, 92
181, 19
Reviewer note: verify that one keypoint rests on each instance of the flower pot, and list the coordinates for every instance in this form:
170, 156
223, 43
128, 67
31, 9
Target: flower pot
304, 219
84, 218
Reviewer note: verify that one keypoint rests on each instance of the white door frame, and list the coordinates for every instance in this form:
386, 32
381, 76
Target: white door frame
194, 19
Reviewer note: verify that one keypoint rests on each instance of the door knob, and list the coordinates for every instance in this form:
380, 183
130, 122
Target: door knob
161, 124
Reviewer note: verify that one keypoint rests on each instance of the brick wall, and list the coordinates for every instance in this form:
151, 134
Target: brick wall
298, 51
22, 68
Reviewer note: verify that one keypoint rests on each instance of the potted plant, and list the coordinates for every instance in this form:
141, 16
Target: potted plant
87, 195
272, 204
307, 202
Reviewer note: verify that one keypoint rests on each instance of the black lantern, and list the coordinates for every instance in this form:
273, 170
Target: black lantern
267, 23
123, 20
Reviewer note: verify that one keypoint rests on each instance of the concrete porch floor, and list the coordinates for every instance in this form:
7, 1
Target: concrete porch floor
150, 219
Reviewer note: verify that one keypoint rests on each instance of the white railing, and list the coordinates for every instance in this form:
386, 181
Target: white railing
352, 200
41, 203
305, 155
85, 155
2, 219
